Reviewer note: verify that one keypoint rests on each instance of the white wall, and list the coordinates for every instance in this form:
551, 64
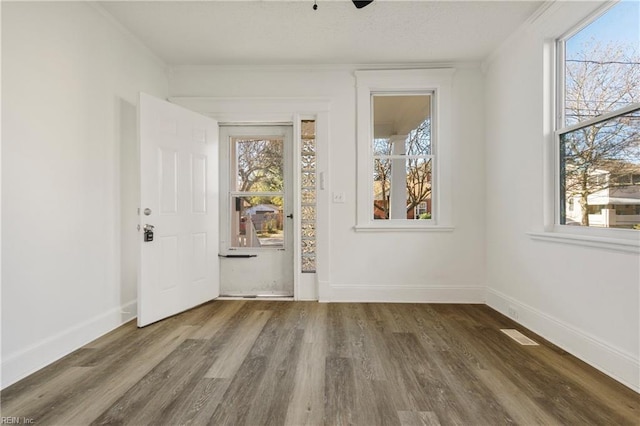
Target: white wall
70, 81
584, 299
390, 266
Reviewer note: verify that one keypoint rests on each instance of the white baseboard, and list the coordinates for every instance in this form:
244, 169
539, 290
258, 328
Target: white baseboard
401, 293
612, 361
18, 365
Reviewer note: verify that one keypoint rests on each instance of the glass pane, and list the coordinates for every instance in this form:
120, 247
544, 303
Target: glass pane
308, 162
381, 188
419, 178
402, 188
308, 179
402, 124
308, 246
259, 164
308, 128
602, 64
308, 230
308, 213
598, 165
309, 264
257, 222
308, 195
308, 146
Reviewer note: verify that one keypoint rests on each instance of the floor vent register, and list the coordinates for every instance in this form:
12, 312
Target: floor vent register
518, 337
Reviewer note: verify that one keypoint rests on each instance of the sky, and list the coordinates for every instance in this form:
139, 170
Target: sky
620, 23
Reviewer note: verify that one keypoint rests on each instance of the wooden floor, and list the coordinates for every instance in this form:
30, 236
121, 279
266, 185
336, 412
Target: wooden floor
275, 363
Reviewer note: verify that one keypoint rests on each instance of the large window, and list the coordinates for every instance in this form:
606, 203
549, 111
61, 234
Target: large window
599, 121
404, 149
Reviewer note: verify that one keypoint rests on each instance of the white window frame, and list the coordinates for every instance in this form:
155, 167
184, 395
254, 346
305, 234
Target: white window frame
621, 240
415, 81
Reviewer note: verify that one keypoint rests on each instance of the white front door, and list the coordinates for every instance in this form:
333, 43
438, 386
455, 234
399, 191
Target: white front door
179, 266
256, 211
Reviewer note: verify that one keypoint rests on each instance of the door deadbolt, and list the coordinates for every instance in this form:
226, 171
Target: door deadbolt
147, 211
148, 233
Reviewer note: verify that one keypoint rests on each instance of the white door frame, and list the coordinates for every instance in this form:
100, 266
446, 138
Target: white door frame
287, 110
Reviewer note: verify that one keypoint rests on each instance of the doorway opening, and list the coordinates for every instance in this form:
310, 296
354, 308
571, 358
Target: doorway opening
256, 211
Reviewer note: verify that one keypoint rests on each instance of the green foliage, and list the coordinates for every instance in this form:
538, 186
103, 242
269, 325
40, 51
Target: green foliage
426, 215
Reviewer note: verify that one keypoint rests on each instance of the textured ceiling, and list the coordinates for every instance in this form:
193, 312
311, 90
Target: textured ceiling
287, 33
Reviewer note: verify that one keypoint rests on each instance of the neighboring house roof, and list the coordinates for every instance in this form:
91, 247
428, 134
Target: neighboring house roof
263, 208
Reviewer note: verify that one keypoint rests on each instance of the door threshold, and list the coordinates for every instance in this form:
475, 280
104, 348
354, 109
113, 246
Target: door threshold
257, 297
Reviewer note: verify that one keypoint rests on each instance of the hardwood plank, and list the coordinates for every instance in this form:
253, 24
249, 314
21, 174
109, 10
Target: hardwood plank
423, 383
523, 410
305, 363
307, 403
525, 366
276, 388
48, 390
418, 418
89, 397
114, 337
195, 404
33, 382
337, 342
363, 343
140, 402
220, 314
242, 391
369, 375
238, 346
339, 390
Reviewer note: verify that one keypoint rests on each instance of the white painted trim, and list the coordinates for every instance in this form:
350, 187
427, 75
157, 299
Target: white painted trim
401, 293
308, 287
599, 119
326, 67
621, 240
405, 226
1, 221
248, 110
605, 243
323, 204
440, 82
618, 364
18, 365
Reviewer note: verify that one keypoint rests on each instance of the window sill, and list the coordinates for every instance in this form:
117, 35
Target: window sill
401, 227
608, 243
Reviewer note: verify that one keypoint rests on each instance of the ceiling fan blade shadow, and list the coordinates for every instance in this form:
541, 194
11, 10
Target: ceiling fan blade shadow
361, 3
